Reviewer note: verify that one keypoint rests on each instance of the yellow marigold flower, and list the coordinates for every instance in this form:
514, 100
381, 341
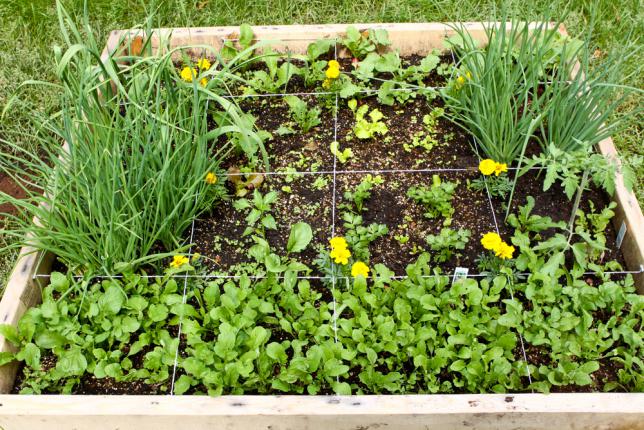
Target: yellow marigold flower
203, 64
178, 261
203, 82
460, 80
504, 251
334, 65
500, 168
359, 269
338, 243
188, 73
326, 84
211, 178
340, 255
491, 241
332, 73
487, 166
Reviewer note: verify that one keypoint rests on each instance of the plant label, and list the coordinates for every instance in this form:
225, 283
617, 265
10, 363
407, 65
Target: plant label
460, 273
620, 235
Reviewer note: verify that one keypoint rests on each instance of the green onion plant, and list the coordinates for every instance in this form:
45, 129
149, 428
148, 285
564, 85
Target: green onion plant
493, 86
139, 144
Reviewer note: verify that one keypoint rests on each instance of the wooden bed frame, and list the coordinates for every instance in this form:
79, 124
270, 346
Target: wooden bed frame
481, 411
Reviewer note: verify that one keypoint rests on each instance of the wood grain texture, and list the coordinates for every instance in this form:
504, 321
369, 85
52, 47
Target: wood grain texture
414, 412
407, 38
629, 213
22, 292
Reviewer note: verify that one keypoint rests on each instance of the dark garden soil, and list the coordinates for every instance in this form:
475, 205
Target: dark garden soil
389, 205
452, 149
218, 235
308, 197
291, 148
10, 187
554, 204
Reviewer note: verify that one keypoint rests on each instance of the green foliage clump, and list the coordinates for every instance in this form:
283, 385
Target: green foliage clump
313, 72
436, 199
362, 192
574, 320
447, 243
259, 217
359, 236
306, 118
404, 83
277, 76
362, 43
568, 169
118, 328
275, 333
367, 128
133, 173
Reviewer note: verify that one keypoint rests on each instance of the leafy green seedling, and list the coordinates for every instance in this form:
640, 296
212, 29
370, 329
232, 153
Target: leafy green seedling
362, 191
362, 43
342, 156
568, 168
436, 199
306, 118
367, 128
447, 243
359, 237
276, 77
426, 138
242, 52
402, 238
259, 217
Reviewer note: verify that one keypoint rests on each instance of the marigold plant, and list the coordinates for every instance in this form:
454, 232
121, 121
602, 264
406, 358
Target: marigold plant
359, 269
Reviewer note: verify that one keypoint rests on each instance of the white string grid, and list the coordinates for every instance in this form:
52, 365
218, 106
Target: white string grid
335, 163
509, 281
498, 231
335, 277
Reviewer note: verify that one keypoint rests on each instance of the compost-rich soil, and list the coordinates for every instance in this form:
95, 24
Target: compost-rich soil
10, 187
308, 197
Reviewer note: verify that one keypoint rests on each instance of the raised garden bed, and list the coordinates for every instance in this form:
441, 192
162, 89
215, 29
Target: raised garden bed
313, 186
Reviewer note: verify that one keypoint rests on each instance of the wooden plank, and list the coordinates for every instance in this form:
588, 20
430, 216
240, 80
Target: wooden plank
22, 292
405, 412
629, 214
407, 38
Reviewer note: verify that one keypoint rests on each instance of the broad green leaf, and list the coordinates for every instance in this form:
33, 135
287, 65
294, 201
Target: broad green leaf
10, 333
183, 384
341, 388
72, 362
299, 238
30, 354
334, 368
273, 263
158, 312
6, 357
277, 352
112, 300
245, 35
49, 339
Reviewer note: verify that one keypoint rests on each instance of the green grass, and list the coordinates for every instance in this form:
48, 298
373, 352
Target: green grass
30, 29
